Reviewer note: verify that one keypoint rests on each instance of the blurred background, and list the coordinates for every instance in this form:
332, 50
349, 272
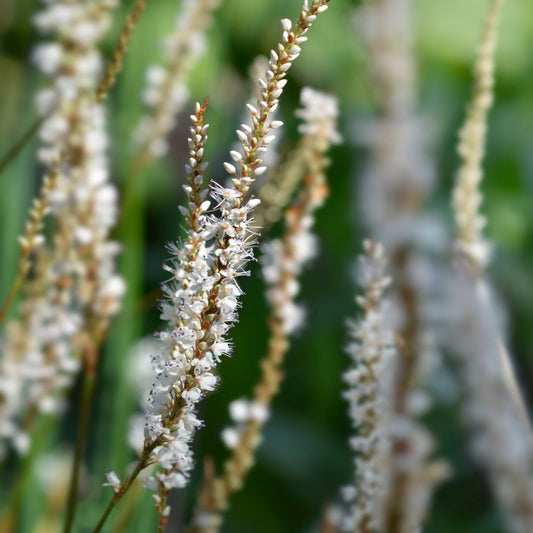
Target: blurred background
304, 458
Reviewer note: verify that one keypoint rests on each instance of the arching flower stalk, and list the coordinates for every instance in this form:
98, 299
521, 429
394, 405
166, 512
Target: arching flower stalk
33, 237
256, 81
283, 262
206, 297
494, 407
166, 91
467, 196
114, 66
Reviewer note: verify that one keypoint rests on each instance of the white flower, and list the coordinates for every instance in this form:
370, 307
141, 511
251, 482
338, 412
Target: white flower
112, 481
240, 410
320, 114
230, 437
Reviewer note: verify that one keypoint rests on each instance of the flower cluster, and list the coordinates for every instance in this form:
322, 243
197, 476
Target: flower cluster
467, 195
283, 262
241, 412
400, 174
370, 397
74, 282
166, 91
71, 61
493, 407
380, 429
182, 377
319, 113
257, 79
203, 298
74, 138
203, 294
396, 183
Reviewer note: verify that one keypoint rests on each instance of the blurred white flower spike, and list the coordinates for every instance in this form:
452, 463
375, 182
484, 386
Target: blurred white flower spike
166, 92
74, 285
370, 397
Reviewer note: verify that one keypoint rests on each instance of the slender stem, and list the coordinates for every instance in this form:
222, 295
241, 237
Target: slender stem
508, 374
11, 296
410, 356
162, 511
9, 516
121, 49
12, 153
28, 241
129, 508
89, 380
143, 463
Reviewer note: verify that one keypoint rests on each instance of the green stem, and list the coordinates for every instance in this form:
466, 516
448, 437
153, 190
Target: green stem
125, 486
89, 380
129, 508
11, 297
19, 145
11, 513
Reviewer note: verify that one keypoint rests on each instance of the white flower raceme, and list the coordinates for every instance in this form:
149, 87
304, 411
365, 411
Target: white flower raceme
284, 259
493, 407
467, 195
283, 262
203, 294
166, 91
399, 175
370, 397
204, 280
397, 181
74, 281
319, 114
243, 411
257, 79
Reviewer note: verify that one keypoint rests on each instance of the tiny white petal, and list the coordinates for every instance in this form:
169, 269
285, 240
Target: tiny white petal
230, 169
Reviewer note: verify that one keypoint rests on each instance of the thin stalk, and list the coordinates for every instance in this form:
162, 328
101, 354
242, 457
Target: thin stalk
162, 520
508, 373
410, 357
12, 153
121, 49
89, 381
132, 504
141, 465
9, 517
29, 241
11, 296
